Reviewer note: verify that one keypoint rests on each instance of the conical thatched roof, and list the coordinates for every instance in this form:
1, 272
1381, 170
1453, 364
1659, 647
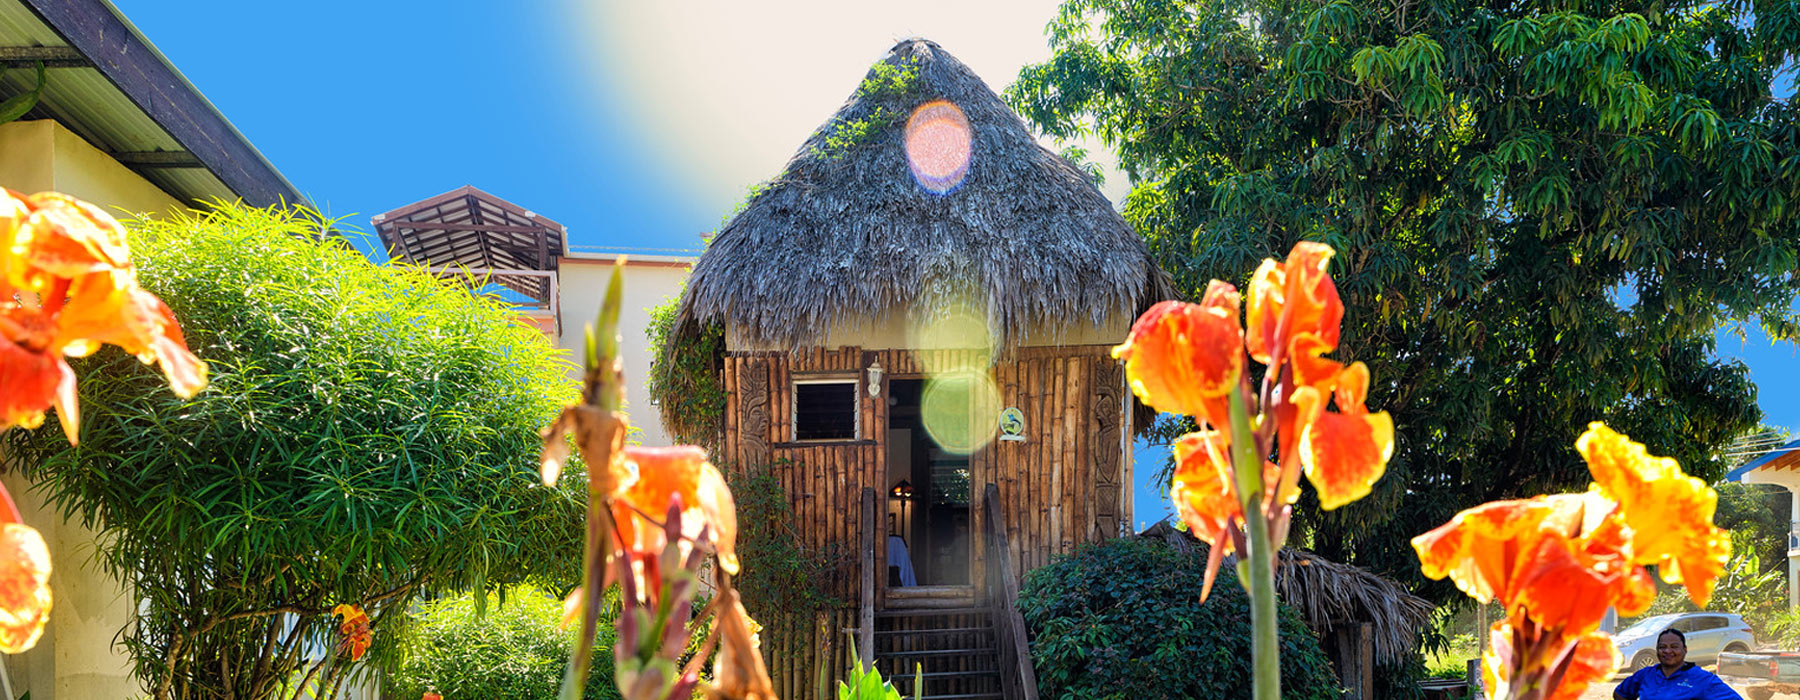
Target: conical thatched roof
846, 232
1328, 594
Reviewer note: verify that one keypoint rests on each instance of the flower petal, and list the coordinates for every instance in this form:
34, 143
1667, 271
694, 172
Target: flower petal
1345, 454
1262, 311
24, 587
1562, 589
1479, 549
1203, 488
1670, 513
29, 384
67, 237
1179, 355
1312, 305
1593, 659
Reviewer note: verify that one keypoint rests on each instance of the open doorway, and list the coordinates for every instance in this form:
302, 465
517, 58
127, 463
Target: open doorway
928, 504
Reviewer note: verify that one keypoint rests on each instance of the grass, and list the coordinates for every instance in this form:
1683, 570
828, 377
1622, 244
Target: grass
1453, 661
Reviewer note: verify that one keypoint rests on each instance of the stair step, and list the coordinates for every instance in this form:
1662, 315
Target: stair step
963, 697
931, 612
935, 631
933, 652
947, 675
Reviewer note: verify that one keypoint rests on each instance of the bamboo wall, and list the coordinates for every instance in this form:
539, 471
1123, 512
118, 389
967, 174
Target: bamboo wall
1066, 484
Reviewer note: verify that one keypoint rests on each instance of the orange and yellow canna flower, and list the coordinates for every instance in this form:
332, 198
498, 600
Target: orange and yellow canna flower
354, 630
1670, 513
1189, 358
1290, 300
24, 583
1344, 452
68, 287
1556, 563
665, 473
1183, 358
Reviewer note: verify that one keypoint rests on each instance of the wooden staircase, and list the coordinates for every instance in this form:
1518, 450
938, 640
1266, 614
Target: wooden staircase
952, 645
955, 644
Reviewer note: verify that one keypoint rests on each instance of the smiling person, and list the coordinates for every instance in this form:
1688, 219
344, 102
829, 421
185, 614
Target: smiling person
1673, 678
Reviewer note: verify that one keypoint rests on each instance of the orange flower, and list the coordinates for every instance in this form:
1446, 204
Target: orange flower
1587, 659
1206, 498
431, 696
354, 629
1183, 358
1557, 562
1346, 452
1670, 513
1288, 300
681, 471
69, 286
24, 581
1189, 358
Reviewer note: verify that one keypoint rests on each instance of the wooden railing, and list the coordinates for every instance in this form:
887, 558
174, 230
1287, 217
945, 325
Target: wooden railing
865, 619
1017, 679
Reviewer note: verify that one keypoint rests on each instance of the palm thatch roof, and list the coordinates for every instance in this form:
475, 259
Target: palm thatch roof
1328, 595
847, 232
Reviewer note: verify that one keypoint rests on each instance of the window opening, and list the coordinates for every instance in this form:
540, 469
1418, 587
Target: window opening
825, 409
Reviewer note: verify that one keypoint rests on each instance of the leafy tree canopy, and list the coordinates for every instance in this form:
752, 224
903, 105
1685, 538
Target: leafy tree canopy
1543, 211
369, 434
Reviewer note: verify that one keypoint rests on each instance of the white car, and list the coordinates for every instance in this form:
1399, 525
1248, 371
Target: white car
1707, 633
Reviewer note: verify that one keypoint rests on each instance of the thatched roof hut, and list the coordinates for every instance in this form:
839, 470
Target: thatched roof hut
1329, 595
846, 231
924, 200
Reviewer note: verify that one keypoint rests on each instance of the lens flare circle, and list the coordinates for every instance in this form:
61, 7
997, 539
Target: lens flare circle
960, 409
938, 141
952, 340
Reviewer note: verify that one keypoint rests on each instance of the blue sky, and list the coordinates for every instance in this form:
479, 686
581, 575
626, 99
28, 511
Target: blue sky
635, 124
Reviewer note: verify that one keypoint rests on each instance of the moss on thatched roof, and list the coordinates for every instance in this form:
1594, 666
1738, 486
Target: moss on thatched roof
1329, 594
846, 232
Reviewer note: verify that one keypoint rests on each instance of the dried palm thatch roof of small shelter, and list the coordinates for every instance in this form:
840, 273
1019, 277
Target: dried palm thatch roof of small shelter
845, 232
1328, 594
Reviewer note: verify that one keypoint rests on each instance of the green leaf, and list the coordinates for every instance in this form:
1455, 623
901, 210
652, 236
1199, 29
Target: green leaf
17, 105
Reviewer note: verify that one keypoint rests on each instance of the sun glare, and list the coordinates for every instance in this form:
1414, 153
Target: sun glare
938, 146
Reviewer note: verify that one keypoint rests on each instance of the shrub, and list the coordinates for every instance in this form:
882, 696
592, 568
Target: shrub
515, 651
369, 434
1123, 620
779, 577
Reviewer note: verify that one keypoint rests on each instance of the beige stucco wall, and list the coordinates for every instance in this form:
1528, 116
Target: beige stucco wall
1789, 480
75, 659
649, 281
38, 156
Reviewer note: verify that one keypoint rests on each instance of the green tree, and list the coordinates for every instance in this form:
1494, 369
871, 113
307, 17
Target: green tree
369, 434
1542, 212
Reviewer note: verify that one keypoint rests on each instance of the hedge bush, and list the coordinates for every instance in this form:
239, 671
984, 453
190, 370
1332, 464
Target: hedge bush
514, 652
369, 435
1123, 620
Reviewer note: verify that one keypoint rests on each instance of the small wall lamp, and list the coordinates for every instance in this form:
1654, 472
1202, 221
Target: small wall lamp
875, 372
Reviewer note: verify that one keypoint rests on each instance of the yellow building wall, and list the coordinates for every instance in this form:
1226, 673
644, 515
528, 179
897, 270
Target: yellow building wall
42, 155
76, 658
649, 281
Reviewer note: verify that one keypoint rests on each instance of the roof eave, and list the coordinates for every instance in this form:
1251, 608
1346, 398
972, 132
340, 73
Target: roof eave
134, 65
1739, 473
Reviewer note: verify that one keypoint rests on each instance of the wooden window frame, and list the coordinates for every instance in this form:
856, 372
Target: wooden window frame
855, 382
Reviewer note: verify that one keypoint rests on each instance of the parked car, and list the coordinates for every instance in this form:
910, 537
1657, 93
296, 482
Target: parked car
1708, 634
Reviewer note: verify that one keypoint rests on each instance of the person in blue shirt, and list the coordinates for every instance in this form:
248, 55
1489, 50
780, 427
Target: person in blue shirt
1673, 678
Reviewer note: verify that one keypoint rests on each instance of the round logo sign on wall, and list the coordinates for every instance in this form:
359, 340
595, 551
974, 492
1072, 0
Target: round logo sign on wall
1012, 424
